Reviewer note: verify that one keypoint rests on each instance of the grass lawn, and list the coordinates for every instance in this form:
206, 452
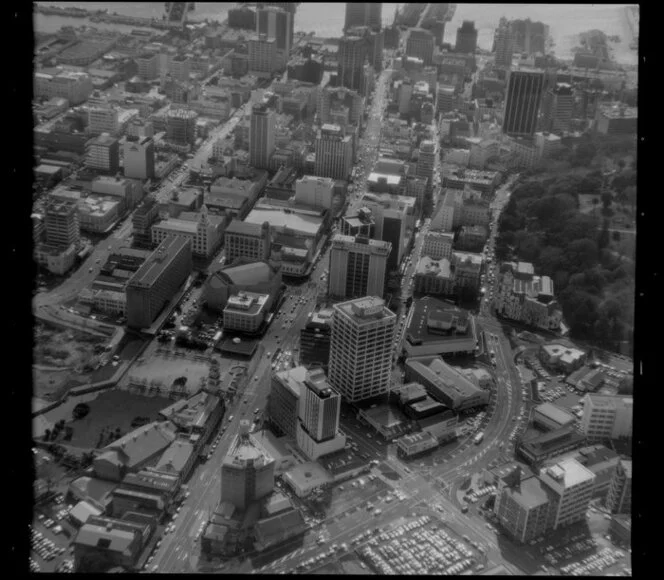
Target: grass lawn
114, 409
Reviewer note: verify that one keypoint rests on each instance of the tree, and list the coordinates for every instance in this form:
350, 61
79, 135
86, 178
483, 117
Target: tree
615, 236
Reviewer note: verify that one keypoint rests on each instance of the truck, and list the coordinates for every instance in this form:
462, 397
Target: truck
478, 438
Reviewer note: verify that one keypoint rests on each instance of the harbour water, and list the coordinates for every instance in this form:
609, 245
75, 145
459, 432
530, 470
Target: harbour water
327, 19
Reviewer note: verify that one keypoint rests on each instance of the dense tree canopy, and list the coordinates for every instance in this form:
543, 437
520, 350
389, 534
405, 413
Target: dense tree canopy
542, 224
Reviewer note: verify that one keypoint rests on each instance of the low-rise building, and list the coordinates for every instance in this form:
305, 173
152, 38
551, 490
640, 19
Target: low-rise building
561, 358
444, 383
537, 448
549, 417
133, 451
246, 312
205, 231
439, 328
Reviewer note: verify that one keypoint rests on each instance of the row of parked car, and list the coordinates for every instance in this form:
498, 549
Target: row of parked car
413, 550
43, 546
595, 564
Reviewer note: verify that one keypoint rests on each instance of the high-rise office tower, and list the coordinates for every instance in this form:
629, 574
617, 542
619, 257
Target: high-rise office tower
334, 153
524, 94
262, 54
352, 55
139, 157
503, 44
181, 126
529, 37
557, 108
466, 38
361, 348
276, 23
261, 135
289, 7
364, 14
62, 223
420, 44
357, 267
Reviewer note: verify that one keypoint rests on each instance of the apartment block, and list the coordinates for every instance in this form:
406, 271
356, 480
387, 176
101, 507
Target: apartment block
607, 417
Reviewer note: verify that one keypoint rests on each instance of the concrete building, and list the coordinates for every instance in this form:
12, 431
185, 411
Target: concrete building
616, 119
318, 418
557, 108
334, 153
262, 56
361, 348
62, 224
523, 506
152, 287
559, 357
607, 417
549, 417
524, 94
446, 99
181, 126
503, 43
572, 485
246, 312
139, 157
539, 447
619, 499
284, 400
467, 269
357, 267
247, 471
352, 55
276, 23
444, 383
426, 160
179, 67
466, 37
438, 327
420, 44
247, 240
103, 120
315, 338
103, 154
142, 219
148, 66
203, 230
438, 245
522, 296
340, 103
76, 87
434, 277
261, 135
314, 191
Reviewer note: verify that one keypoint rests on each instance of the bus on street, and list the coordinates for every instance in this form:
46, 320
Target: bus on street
478, 438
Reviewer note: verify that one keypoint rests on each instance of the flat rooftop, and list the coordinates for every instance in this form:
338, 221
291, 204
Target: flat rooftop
442, 376
299, 222
567, 472
431, 308
365, 310
158, 261
530, 493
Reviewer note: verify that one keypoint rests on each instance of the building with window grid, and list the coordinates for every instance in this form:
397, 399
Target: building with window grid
152, 287
361, 348
247, 240
357, 267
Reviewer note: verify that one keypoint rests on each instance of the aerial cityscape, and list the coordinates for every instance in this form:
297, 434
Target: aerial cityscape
333, 288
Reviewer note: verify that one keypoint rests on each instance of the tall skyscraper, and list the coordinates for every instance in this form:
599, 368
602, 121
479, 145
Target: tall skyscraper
352, 55
261, 135
357, 267
466, 38
334, 153
361, 348
503, 44
420, 44
289, 7
103, 154
364, 14
276, 23
426, 160
524, 94
529, 37
557, 108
